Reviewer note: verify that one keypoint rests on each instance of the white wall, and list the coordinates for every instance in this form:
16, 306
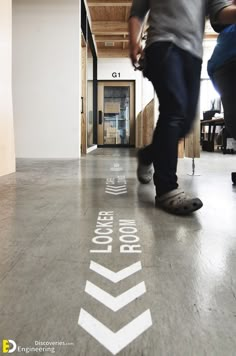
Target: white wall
144, 88
7, 150
46, 78
207, 91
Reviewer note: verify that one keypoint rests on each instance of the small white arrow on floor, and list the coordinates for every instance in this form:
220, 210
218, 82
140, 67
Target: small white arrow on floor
116, 190
116, 187
115, 277
116, 168
115, 342
113, 193
115, 303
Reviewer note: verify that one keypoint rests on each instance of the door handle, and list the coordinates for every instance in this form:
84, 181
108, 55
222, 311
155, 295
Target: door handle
82, 105
100, 117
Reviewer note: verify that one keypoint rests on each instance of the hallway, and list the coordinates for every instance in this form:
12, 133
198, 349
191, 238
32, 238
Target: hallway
67, 226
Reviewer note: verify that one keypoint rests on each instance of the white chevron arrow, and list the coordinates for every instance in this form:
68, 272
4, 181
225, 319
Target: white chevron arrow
113, 193
116, 190
115, 342
116, 187
115, 277
115, 303
116, 169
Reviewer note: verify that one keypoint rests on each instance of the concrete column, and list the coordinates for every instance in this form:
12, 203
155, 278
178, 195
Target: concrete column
7, 147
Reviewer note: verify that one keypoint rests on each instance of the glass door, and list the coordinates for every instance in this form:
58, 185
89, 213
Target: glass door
116, 114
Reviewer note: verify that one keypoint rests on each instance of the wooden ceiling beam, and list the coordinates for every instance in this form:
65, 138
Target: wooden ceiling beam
109, 3
100, 39
124, 42
127, 13
210, 36
110, 28
113, 53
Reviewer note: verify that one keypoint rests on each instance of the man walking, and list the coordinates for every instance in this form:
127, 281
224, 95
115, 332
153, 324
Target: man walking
172, 60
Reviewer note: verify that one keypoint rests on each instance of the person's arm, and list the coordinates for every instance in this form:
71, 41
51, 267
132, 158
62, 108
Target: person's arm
135, 31
227, 15
138, 12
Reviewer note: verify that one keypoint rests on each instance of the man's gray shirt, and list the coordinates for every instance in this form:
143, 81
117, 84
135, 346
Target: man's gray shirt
179, 21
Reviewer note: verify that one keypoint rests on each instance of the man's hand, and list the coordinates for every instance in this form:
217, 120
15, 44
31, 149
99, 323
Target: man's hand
135, 52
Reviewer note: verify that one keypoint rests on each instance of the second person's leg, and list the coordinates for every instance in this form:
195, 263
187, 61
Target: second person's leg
225, 82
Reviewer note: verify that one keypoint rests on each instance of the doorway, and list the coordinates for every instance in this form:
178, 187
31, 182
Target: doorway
88, 85
116, 125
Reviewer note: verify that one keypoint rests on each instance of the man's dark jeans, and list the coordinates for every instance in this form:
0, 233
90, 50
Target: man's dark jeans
175, 75
224, 80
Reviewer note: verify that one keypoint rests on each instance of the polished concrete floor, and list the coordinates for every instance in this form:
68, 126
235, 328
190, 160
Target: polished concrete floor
88, 261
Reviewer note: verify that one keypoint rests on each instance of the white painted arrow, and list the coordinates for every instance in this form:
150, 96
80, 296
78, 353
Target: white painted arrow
115, 277
115, 342
122, 189
115, 303
113, 193
117, 187
116, 191
116, 169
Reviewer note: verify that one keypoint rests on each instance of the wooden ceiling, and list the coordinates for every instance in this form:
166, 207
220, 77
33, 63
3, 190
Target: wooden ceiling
109, 22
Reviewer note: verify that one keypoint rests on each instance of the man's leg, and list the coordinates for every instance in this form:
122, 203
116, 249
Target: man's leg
145, 155
169, 70
145, 164
191, 72
163, 142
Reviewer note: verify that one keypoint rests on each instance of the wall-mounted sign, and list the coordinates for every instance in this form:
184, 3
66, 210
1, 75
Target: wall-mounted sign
115, 75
